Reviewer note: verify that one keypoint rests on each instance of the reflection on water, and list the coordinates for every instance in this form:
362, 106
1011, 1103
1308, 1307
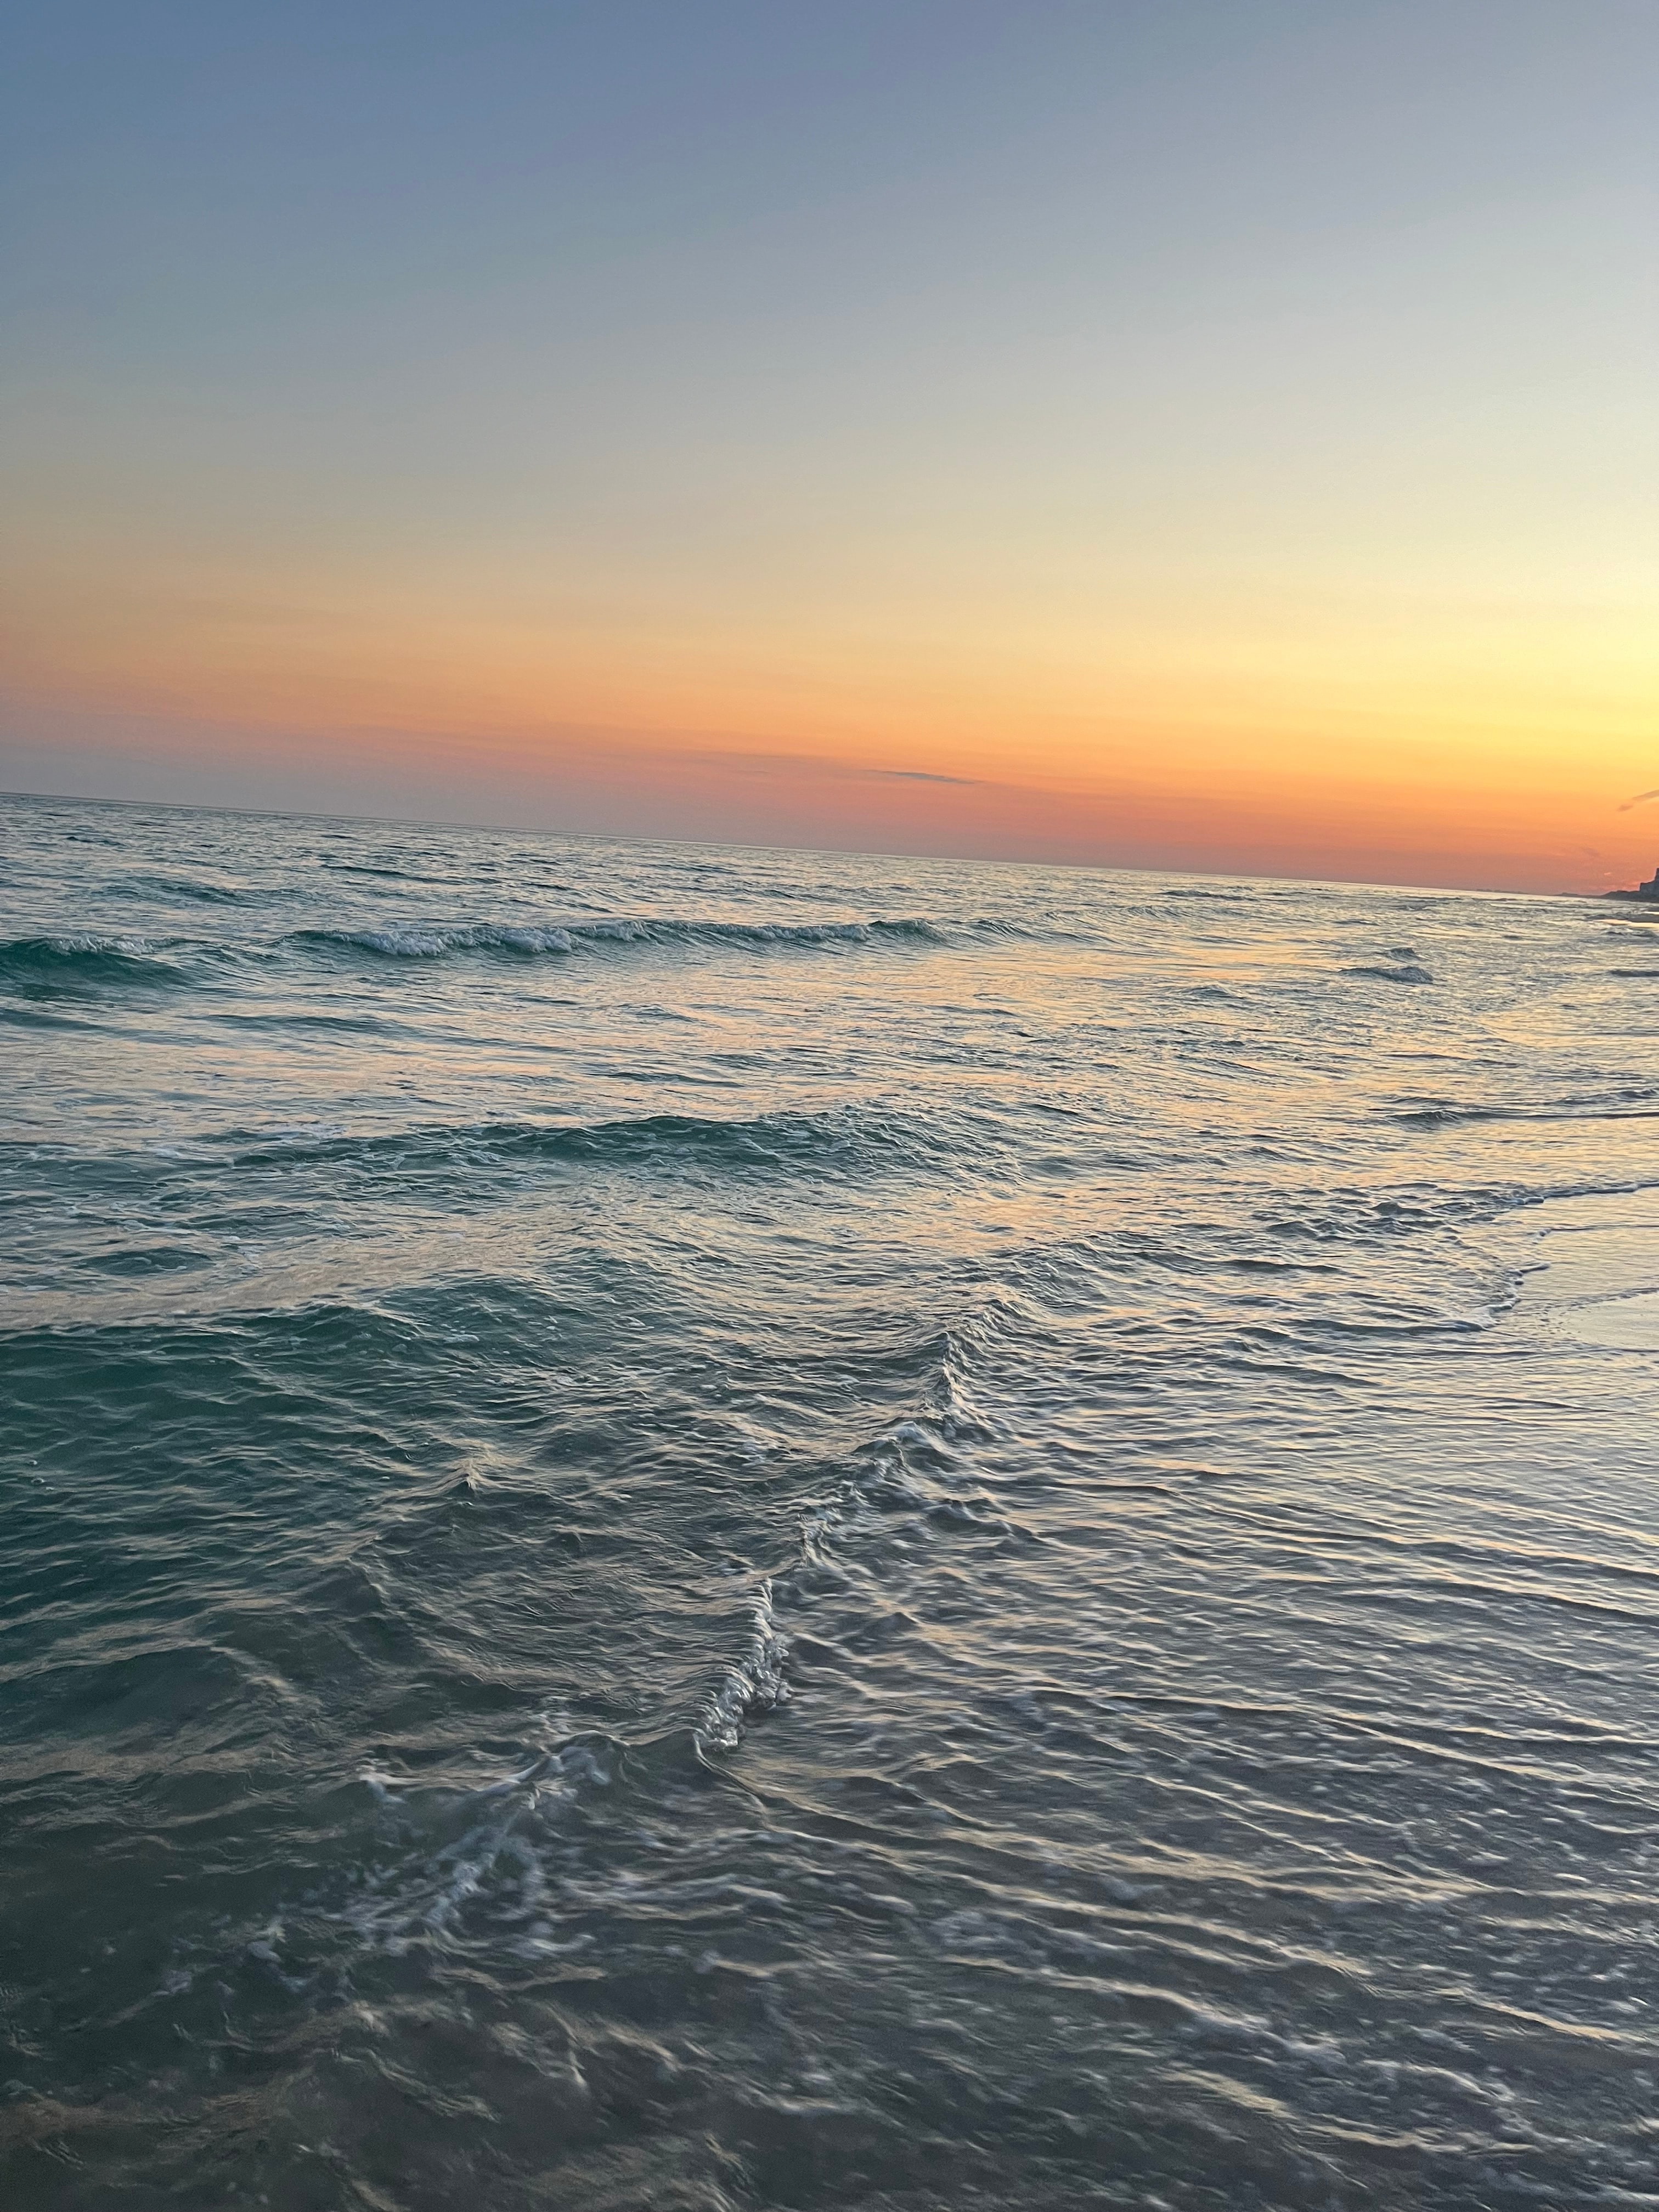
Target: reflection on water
712, 1528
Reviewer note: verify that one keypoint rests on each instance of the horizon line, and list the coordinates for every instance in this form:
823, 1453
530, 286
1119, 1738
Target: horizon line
825, 852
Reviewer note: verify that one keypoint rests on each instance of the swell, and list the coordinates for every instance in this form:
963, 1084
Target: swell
1624, 1103
531, 940
366, 868
794, 1144
1405, 971
198, 890
844, 1145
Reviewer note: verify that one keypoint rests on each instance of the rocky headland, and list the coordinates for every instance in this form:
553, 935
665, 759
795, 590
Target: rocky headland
1647, 892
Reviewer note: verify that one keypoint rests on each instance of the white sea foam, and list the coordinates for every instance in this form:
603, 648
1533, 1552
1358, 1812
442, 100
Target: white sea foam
756, 1684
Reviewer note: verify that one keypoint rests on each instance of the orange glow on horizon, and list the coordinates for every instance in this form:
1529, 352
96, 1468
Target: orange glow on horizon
1313, 739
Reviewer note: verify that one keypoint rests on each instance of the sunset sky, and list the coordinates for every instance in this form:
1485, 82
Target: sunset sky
1212, 434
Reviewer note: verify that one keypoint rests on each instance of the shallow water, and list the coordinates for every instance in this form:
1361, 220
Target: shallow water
705, 1528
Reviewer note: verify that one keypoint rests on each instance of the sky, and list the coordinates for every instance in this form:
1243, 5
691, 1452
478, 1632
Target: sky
1200, 433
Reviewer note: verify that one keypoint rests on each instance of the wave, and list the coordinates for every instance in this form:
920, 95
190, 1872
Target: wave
27, 1017
1372, 1215
90, 958
530, 940
756, 1683
82, 962
363, 868
1627, 1102
793, 1143
1405, 971
184, 887
816, 1156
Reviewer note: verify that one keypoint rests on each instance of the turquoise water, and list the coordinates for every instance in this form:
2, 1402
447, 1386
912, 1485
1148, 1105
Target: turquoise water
716, 1529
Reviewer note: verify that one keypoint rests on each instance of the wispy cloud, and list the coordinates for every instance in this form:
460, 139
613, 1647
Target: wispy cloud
794, 767
920, 775
1640, 799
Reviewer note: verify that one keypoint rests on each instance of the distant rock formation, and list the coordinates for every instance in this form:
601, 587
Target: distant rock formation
1647, 891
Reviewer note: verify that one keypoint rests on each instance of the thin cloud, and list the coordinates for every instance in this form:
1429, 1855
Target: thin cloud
1640, 799
794, 767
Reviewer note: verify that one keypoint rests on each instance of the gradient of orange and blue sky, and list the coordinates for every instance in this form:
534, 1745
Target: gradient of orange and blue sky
1216, 433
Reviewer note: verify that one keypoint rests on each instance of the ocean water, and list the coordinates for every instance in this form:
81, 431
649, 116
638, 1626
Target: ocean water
708, 1529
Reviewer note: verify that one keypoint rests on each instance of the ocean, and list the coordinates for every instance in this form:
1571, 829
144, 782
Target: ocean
708, 1529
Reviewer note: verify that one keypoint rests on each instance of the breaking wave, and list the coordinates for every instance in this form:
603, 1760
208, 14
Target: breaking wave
84, 961
755, 1684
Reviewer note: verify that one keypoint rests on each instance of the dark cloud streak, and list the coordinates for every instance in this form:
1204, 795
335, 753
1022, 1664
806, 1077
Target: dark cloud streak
921, 775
